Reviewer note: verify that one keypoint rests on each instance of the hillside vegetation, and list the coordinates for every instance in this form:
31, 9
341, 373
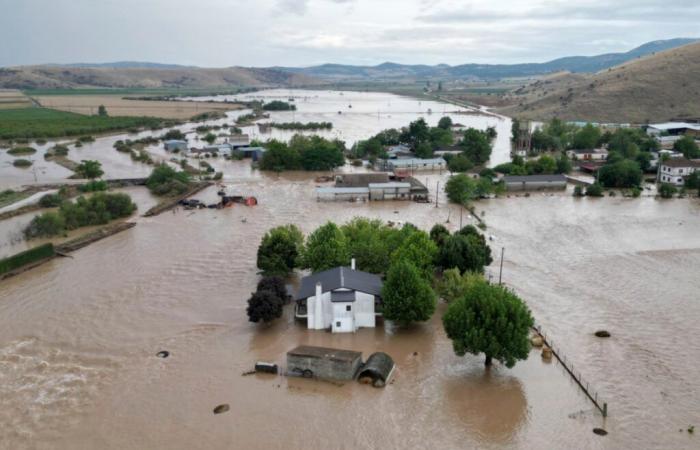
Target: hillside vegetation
57, 77
651, 89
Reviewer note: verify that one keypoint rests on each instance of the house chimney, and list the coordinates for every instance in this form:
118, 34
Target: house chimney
318, 308
352, 264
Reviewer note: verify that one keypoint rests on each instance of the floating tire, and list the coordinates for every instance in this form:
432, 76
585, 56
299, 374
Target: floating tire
600, 431
163, 354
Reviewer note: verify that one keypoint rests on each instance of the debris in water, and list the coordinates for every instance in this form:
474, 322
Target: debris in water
537, 341
221, 408
163, 354
691, 429
600, 431
250, 372
546, 353
602, 334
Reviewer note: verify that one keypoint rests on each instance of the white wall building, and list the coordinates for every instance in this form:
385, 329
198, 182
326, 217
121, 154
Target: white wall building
675, 170
341, 299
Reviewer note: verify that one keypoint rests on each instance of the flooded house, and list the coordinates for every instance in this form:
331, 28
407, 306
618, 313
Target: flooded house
175, 145
415, 164
342, 299
599, 154
676, 170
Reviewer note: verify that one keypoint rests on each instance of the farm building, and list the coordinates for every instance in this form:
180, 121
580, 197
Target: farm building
325, 363
674, 129
238, 140
534, 182
372, 186
254, 153
218, 149
342, 299
415, 164
175, 146
599, 154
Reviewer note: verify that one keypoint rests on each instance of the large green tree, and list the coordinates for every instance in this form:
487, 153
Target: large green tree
326, 248
89, 169
406, 296
419, 250
489, 319
465, 250
461, 189
264, 306
621, 174
587, 137
476, 145
278, 253
688, 147
367, 243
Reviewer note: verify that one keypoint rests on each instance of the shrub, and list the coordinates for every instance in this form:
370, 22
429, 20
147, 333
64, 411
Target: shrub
22, 163
578, 191
667, 190
264, 306
94, 186
20, 151
275, 285
594, 190
50, 201
46, 225
164, 180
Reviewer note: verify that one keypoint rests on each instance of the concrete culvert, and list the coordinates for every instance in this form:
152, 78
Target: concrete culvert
602, 334
221, 408
377, 370
163, 354
600, 431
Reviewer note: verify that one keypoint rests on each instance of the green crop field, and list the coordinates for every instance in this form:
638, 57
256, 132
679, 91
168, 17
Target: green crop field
146, 92
30, 123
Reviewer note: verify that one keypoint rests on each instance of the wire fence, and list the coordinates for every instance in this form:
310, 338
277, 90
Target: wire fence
568, 365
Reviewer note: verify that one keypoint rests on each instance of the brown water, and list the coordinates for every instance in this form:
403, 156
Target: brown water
78, 337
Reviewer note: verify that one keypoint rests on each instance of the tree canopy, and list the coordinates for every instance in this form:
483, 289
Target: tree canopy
688, 147
489, 319
264, 306
279, 251
89, 169
407, 297
465, 250
326, 248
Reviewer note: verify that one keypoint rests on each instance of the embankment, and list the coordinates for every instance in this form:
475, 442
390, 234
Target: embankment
171, 202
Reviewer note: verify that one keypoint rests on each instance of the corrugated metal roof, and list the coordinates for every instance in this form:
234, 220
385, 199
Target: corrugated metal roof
674, 126
416, 162
535, 179
390, 185
342, 190
338, 278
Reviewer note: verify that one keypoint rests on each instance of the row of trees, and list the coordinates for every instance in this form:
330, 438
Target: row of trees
481, 318
303, 153
98, 209
463, 189
545, 164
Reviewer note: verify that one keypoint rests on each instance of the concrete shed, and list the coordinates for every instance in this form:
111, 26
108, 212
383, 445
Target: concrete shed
322, 362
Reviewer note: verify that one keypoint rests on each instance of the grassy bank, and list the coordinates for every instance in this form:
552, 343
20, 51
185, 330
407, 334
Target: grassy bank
26, 258
31, 123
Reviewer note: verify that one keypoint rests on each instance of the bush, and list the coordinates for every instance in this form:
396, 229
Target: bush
46, 225
594, 190
667, 190
89, 169
164, 180
94, 186
173, 135
50, 201
459, 163
21, 151
26, 257
578, 191
22, 163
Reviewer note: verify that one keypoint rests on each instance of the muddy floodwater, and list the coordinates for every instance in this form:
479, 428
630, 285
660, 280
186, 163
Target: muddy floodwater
79, 336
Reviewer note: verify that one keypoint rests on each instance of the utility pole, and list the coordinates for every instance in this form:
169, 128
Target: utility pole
461, 210
437, 194
500, 274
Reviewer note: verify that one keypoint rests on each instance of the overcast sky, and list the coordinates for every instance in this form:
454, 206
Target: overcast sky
219, 33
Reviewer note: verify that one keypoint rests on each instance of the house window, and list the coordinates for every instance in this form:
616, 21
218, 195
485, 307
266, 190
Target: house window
337, 324
348, 308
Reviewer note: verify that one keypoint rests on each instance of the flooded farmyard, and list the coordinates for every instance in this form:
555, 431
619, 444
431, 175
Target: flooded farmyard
79, 337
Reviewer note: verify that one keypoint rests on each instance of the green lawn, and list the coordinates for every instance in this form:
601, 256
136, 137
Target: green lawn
31, 123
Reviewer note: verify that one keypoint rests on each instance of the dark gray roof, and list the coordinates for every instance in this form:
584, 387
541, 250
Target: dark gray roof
343, 296
340, 278
680, 162
535, 179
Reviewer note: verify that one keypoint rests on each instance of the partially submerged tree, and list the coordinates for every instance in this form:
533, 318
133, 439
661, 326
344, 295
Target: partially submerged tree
264, 306
465, 250
492, 320
276, 285
280, 249
326, 248
89, 169
407, 297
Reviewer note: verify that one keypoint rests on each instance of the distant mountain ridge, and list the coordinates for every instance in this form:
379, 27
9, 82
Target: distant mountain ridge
123, 65
575, 64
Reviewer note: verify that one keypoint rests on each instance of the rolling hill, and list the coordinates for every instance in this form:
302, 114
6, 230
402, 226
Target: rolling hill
63, 77
654, 88
391, 71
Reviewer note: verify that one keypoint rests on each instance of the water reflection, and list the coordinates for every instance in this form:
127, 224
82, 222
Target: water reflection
488, 403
